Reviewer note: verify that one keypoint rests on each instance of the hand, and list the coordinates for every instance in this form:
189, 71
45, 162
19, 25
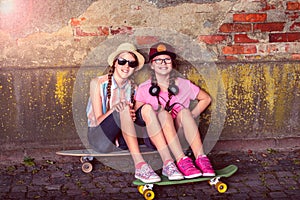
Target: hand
120, 106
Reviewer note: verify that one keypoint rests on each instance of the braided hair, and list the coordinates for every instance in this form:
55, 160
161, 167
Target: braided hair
131, 79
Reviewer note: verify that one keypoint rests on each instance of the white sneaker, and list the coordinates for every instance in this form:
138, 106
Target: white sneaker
170, 170
146, 174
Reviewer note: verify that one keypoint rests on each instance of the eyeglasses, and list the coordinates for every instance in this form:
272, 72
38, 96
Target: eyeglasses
132, 64
161, 61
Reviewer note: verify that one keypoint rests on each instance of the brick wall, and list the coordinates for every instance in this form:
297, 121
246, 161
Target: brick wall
271, 32
255, 45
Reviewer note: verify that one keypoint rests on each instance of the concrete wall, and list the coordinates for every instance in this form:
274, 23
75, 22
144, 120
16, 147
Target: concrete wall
245, 53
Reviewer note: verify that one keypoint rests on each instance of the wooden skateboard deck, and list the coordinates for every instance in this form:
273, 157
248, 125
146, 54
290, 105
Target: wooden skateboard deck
87, 155
147, 192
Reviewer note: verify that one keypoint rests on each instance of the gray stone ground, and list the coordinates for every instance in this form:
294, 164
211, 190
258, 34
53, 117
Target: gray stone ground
262, 175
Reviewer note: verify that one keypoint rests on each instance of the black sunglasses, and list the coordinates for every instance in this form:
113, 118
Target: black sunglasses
132, 64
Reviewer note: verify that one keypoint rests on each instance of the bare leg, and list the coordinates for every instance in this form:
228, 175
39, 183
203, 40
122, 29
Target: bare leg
170, 134
129, 134
155, 132
191, 131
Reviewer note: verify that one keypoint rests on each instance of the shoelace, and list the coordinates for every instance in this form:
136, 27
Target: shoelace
146, 171
170, 168
188, 164
205, 163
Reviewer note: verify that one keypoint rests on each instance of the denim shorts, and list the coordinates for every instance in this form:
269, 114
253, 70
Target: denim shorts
102, 138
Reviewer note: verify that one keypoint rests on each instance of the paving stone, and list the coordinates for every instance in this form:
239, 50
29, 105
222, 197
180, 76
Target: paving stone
19, 188
5, 180
278, 195
268, 176
4, 189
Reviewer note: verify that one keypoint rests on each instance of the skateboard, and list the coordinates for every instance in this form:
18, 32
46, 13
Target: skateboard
88, 155
147, 189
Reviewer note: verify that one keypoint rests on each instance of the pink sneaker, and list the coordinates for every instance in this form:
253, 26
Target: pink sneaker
146, 174
187, 168
205, 166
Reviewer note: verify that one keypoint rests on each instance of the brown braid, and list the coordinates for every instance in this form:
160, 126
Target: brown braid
132, 92
172, 80
153, 78
110, 74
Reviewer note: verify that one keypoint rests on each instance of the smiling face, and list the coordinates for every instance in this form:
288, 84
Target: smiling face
162, 65
123, 70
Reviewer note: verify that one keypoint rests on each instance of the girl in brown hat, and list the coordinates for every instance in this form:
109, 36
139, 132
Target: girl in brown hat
166, 97
111, 115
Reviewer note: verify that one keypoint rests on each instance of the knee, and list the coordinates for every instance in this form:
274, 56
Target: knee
165, 114
185, 112
147, 111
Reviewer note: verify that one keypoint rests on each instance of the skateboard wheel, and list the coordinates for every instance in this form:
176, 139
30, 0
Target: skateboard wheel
140, 189
149, 194
87, 167
82, 159
221, 187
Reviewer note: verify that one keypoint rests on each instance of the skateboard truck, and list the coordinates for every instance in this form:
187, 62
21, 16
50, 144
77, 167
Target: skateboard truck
220, 186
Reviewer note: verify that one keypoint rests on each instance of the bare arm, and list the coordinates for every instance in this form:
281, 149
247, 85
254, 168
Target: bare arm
97, 101
204, 100
138, 104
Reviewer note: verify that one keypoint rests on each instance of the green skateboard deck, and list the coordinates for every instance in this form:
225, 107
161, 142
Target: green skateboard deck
146, 189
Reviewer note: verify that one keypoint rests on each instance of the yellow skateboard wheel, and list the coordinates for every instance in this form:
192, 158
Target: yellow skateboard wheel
149, 194
87, 167
221, 187
140, 189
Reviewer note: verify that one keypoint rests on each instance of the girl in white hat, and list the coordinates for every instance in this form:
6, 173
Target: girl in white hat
111, 115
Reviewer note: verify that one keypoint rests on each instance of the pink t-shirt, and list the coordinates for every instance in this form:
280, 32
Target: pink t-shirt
187, 92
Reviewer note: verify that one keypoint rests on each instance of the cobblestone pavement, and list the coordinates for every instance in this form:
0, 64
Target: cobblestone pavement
262, 175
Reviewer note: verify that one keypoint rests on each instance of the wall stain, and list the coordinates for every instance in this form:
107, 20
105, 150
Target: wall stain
261, 97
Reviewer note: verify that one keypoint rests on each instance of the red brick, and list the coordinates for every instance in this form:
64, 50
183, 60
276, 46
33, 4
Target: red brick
239, 49
293, 5
243, 38
80, 32
234, 27
231, 58
268, 7
103, 30
269, 27
295, 26
122, 30
213, 39
296, 56
292, 15
142, 40
250, 17
77, 22
284, 37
